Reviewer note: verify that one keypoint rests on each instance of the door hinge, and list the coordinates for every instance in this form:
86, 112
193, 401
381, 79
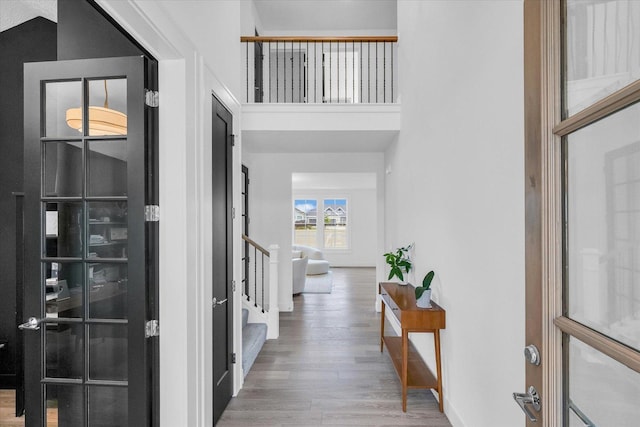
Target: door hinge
151, 329
232, 139
152, 213
233, 358
233, 213
233, 286
152, 98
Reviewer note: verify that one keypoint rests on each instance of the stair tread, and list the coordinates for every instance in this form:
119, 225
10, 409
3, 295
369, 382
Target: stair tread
253, 337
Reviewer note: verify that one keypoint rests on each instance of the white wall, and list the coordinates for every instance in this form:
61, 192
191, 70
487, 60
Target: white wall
213, 27
362, 219
196, 46
456, 188
271, 199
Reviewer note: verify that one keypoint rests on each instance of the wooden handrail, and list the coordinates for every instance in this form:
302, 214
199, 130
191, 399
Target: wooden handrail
317, 39
254, 244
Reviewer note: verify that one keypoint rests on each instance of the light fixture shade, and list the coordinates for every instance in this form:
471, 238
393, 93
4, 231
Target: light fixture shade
102, 121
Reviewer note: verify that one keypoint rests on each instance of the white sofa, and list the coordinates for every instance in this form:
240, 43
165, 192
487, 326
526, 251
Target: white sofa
317, 264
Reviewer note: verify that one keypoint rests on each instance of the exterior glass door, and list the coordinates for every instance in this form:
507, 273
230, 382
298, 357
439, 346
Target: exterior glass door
86, 258
600, 319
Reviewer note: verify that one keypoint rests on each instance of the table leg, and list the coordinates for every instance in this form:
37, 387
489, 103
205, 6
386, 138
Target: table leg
405, 366
382, 327
436, 336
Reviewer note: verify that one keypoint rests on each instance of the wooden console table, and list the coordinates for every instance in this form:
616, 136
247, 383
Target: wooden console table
411, 369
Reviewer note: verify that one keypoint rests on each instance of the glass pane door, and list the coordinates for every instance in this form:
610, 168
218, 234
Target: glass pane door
85, 270
601, 214
84, 204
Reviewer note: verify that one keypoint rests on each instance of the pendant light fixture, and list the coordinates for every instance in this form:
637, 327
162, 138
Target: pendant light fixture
102, 120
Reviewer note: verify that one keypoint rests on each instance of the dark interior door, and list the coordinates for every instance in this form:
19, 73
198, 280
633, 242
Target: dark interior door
89, 271
222, 143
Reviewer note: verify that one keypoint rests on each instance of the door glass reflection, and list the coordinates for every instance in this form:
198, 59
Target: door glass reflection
64, 405
107, 107
601, 50
603, 226
63, 343
108, 352
108, 233
63, 290
107, 291
63, 110
108, 407
606, 391
107, 168
62, 169
63, 228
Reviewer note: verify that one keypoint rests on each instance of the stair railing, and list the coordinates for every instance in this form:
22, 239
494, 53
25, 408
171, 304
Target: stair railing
260, 283
319, 70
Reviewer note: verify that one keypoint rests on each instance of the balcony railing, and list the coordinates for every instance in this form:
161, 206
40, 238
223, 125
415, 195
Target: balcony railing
349, 70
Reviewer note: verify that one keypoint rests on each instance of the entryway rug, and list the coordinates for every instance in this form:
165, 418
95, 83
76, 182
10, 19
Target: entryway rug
319, 284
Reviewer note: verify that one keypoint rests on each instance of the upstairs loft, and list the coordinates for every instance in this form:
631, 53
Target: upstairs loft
320, 93
320, 70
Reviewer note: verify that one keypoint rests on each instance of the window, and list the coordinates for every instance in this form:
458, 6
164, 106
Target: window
335, 224
305, 214
329, 231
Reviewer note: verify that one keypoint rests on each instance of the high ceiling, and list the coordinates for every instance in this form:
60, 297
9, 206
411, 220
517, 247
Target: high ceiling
313, 17
369, 17
15, 12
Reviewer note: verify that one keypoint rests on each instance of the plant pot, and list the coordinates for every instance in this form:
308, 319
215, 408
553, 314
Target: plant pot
425, 300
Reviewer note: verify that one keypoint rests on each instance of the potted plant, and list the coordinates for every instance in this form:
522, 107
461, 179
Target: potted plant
399, 263
423, 293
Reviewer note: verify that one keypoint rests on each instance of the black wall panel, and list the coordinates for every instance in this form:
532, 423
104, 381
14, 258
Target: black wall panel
34, 40
84, 32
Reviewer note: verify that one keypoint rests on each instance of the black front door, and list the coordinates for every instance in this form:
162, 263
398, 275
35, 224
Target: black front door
89, 268
222, 258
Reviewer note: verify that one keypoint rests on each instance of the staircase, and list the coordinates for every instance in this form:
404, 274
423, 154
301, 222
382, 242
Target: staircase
260, 313
253, 337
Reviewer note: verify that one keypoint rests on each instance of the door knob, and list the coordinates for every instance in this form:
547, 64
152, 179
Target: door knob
531, 398
216, 303
32, 324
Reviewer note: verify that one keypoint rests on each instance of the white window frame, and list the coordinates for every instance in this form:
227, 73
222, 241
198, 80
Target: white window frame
320, 197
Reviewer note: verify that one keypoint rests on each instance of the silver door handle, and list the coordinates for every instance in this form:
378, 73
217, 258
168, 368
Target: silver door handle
531, 398
32, 324
216, 303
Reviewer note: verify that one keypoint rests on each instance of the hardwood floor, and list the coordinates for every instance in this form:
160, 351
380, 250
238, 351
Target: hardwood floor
327, 369
8, 410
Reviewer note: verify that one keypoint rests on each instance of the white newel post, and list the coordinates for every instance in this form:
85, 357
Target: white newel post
273, 331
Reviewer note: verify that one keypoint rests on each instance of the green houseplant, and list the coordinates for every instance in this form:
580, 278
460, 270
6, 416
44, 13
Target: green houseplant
399, 262
423, 293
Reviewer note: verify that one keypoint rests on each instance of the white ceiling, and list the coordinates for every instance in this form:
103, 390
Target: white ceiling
311, 17
333, 181
15, 12
317, 141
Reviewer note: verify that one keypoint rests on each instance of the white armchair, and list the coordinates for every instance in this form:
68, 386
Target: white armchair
317, 264
299, 276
